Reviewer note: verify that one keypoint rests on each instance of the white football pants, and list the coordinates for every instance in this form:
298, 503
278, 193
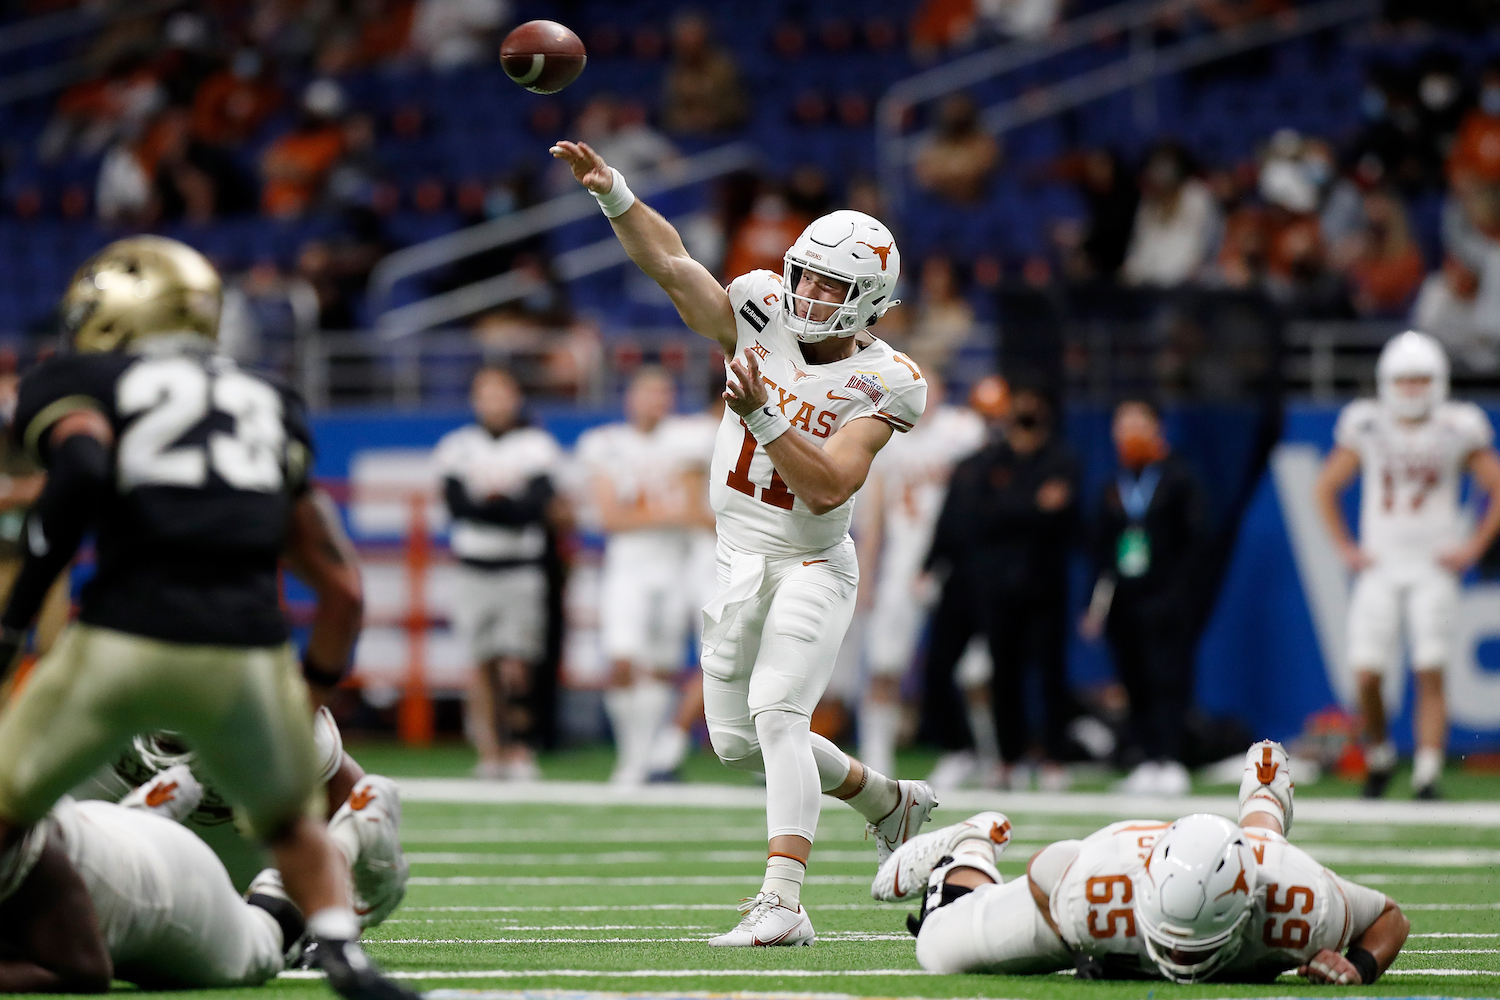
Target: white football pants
996, 929
771, 637
165, 904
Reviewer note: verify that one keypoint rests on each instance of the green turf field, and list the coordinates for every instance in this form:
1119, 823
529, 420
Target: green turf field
529, 898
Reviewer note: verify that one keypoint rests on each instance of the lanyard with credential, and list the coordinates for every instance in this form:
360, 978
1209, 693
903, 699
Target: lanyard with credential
1136, 492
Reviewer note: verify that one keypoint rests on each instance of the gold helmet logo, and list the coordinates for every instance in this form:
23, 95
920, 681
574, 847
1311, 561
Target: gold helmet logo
139, 288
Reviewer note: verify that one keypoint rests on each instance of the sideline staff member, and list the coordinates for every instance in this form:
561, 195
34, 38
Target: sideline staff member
498, 485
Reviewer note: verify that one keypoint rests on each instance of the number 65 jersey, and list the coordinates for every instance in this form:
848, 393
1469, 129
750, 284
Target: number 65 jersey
1300, 907
755, 510
207, 462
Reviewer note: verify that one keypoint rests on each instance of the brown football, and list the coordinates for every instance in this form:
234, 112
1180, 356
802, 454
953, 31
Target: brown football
542, 56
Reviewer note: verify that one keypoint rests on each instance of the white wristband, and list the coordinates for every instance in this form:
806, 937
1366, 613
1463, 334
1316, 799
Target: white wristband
767, 424
618, 199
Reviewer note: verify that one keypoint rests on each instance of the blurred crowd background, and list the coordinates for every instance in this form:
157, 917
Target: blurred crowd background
1216, 205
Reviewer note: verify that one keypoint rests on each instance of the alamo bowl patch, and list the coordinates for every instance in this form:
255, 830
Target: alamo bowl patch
869, 383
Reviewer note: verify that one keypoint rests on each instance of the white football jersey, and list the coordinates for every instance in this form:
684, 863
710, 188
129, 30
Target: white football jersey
488, 465
756, 511
1300, 906
1093, 904
914, 470
642, 468
1300, 909
1410, 475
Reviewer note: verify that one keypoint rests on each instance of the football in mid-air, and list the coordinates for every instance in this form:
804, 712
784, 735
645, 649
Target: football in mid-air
542, 56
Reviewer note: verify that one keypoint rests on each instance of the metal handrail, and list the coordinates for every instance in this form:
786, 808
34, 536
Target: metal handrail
943, 80
444, 250
1143, 64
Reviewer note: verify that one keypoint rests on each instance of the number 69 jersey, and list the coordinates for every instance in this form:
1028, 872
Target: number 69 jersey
1300, 907
755, 510
208, 459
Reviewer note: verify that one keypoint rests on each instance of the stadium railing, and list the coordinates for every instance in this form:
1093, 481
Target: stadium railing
1143, 61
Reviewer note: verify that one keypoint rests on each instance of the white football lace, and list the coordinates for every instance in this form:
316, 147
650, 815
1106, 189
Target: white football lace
756, 907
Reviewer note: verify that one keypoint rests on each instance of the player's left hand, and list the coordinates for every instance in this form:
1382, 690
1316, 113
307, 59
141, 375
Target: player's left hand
1329, 967
745, 390
1459, 560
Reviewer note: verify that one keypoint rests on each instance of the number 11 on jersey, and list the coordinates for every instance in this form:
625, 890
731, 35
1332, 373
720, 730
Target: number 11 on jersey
777, 495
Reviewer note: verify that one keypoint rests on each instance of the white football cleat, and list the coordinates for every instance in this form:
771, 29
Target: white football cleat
914, 805
173, 794
1267, 783
766, 923
904, 874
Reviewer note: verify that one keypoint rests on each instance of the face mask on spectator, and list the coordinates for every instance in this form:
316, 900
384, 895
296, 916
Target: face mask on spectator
1139, 448
1489, 100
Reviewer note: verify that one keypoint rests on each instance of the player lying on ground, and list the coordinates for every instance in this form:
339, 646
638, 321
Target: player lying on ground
782, 488
364, 813
193, 474
95, 891
1198, 899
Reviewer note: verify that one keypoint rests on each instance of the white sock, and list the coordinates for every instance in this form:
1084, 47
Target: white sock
1381, 757
986, 741
334, 923
619, 706
878, 722
784, 877
653, 700
668, 750
1427, 767
879, 796
794, 795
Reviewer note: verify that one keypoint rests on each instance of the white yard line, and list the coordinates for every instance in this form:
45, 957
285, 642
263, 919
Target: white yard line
699, 938
1450, 951
623, 973
1375, 878
620, 909
1044, 833
1440, 972
622, 880
596, 794
1453, 934
865, 857
503, 926
1451, 906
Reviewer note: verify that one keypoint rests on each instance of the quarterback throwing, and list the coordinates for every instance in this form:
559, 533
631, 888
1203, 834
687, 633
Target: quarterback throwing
812, 397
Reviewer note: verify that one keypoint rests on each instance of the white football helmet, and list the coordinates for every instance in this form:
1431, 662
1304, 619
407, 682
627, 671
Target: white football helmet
1194, 895
847, 246
1412, 355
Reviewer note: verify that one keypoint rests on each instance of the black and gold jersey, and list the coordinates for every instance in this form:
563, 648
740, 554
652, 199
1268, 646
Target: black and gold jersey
208, 459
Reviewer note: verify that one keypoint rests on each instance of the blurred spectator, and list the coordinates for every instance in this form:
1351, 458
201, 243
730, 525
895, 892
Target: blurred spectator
1175, 225
939, 25
702, 91
296, 165
233, 103
807, 192
1450, 307
1028, 19
451, 33
958, 163
354, 181
385, 29
1395, 132
761, 240
944, 319
1441, 99
187, 58
194, 180
1388, 270
90, 116
1152, 537
1474, 164
619, 132
1112, 198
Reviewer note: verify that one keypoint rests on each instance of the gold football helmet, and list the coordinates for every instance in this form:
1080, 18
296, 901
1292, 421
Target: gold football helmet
139, 288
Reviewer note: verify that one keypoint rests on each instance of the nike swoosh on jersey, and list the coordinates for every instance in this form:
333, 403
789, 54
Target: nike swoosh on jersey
847, 399
813, 562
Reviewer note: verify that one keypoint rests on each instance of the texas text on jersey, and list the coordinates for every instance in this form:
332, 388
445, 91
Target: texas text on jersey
207, 462
756, 511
